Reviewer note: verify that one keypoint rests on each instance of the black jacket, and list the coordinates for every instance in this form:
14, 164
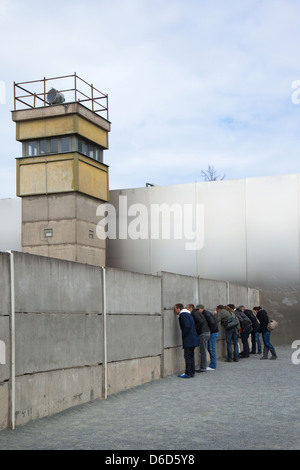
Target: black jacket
263, 320
211, 321
252, 317
244, 320
200, 322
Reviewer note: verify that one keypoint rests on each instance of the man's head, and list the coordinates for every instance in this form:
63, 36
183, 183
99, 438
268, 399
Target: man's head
178, 308
256, 309
200, 307
190, 307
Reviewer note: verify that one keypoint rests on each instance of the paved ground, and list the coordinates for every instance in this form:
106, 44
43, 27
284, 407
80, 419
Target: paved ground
251, 404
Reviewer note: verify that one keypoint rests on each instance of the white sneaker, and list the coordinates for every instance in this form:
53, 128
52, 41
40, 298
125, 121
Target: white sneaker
209, 368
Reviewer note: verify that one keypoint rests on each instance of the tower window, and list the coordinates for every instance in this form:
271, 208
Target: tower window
65, 144
53, 145
32, 148
44, 146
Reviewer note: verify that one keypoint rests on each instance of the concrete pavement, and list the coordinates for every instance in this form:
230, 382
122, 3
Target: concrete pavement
251, 404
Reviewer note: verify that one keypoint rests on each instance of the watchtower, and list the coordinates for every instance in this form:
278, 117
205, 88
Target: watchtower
61, 176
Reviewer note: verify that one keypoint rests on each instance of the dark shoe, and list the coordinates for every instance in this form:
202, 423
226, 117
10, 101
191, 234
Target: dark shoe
274, 355
228, 360
184, 376
265, 354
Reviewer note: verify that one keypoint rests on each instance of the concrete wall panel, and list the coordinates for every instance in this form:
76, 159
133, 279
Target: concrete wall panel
129, 292
52, 341
178, 288
238, 295
123, 375
253, 298
213, 293
133, 336
172, 332
44, 394
4, 408
4, 348
62, 287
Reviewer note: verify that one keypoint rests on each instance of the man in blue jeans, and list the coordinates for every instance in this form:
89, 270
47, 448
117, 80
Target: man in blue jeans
223, 314
189, 339
214, 333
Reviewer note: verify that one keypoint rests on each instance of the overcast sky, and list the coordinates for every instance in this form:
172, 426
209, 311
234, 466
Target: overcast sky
191, 83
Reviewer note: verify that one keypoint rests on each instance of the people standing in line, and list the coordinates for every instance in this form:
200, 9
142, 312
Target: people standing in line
190, 339
255, 335
214, 333
246, 326
223, 315
203, 333
263, 319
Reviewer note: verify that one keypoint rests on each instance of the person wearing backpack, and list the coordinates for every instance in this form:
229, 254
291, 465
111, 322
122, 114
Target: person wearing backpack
255, 340
246, 326
263, 319
225, 316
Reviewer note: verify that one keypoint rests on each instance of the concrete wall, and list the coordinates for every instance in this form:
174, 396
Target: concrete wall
83, 332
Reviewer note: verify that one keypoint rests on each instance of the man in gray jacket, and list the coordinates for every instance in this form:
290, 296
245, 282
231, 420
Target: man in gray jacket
223, 315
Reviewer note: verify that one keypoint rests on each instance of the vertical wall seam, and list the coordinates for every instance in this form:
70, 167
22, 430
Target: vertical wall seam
162, 357
104, 366
12, 343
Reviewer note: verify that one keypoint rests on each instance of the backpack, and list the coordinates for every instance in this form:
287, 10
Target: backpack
244, 320
231, 322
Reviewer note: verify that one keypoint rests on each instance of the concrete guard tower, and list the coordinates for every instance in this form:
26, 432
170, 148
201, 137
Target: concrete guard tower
61, 176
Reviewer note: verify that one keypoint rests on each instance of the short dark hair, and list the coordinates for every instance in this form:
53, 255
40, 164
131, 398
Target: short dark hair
256, 308
178, 306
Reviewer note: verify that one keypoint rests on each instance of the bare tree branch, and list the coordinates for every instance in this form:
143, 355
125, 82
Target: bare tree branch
211, 174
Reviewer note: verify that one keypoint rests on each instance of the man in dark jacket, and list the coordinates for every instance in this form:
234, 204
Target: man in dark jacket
203, 333
189, 339
255, 340
214, 333
246, 327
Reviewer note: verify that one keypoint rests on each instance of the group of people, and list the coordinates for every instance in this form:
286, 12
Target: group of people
199, 327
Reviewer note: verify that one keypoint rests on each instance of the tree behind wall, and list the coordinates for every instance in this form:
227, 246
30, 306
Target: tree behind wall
211, 174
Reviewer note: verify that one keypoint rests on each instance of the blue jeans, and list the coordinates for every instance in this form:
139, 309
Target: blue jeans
255, 339
211, 347
232, 337
266, 339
